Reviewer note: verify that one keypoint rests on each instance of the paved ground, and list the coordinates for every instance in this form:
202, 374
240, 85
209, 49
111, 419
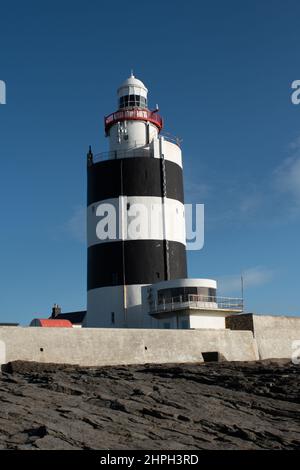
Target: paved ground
205, 406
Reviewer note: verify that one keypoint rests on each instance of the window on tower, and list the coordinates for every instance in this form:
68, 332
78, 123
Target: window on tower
184, 294
132, 101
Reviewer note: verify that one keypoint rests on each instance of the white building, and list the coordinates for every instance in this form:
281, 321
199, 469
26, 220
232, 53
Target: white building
187, 303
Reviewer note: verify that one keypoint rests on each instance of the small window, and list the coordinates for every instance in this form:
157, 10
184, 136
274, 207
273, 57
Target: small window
121, 103
113, 318
158, 275
143, 102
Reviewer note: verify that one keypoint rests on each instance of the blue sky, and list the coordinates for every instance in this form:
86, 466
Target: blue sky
221, 73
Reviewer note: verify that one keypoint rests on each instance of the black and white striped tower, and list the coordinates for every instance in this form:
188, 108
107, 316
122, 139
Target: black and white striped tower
141, 178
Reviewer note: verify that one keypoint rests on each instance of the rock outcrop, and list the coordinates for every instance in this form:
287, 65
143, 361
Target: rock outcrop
205, 406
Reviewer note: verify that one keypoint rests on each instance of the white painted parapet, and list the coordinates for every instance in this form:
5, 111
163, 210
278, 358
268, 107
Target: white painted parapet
104, 346
276, 336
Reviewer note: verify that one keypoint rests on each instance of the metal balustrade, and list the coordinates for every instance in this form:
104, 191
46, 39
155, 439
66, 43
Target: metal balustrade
137, 148
198, 302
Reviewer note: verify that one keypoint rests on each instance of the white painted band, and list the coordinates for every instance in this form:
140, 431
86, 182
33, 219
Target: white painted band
135, 218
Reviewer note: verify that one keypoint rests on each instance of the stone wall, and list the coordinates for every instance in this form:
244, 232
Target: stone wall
275, 335
98, 347
240, 322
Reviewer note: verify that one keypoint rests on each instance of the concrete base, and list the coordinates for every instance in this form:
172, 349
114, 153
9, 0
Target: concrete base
100, 347
275, 335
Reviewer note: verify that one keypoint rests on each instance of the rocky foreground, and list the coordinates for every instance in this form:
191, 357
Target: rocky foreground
205, 406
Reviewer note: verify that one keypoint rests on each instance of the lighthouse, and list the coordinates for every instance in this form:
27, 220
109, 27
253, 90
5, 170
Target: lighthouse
136, 260
140, 168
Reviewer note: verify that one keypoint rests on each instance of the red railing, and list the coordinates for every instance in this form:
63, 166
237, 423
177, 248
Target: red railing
133, 115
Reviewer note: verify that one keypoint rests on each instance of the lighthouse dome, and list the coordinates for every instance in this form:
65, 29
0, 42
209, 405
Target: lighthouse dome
132, 93
133, 81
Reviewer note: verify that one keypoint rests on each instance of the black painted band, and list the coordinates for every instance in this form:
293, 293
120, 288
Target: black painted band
144, 261
137, 176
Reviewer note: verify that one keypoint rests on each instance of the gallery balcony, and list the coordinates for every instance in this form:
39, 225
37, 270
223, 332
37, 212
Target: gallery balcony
197, 302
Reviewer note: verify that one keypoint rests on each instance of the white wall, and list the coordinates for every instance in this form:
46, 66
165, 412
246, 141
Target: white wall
205, 320
97, 347
170, 150
103, 301
276, 336
136, 132
200, 320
